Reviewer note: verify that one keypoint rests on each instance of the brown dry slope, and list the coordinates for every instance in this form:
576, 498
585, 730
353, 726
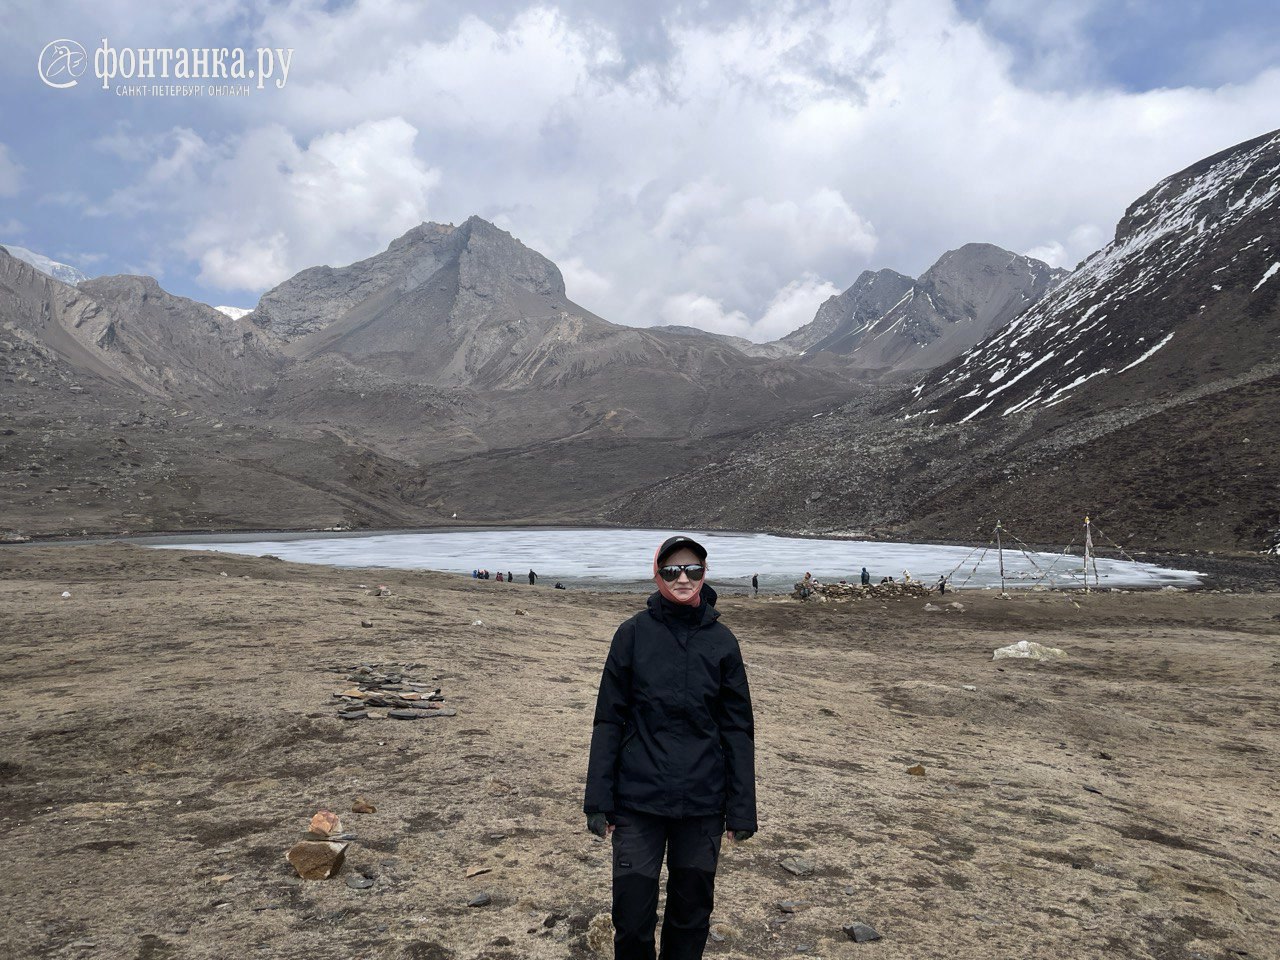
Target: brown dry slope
170, 731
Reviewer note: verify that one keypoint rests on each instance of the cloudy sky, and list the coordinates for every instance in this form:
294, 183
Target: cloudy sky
724, 165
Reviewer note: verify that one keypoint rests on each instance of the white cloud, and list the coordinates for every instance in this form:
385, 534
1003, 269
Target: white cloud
10, 173
275, 207
260, 208
1053, 253
793, 306
176, 163
1052, 35
81, 260
1079, 243
691, 309
584, 286
12, 228
765, 148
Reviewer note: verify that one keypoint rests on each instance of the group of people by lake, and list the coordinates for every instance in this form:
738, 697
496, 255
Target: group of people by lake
481, 574
809, 581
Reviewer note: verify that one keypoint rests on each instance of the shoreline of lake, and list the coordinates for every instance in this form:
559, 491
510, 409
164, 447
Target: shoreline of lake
1238, 571
613, 558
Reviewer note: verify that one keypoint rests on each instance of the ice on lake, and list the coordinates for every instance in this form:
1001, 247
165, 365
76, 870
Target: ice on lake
622, 559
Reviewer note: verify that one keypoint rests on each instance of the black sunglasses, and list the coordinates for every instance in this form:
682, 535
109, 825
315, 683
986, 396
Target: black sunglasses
671, 572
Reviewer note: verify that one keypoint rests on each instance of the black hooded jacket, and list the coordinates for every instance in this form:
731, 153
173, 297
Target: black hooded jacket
673, 733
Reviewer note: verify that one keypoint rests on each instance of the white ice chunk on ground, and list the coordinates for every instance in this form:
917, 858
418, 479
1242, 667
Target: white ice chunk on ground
1028, 650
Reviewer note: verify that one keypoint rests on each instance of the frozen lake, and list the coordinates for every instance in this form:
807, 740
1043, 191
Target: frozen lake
622, 559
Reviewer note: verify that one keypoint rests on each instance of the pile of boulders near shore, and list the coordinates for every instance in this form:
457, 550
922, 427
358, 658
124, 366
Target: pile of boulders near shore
813, 590
388, 691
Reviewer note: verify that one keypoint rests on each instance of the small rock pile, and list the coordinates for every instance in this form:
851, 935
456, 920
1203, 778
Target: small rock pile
320, 853
856, 591
391, 687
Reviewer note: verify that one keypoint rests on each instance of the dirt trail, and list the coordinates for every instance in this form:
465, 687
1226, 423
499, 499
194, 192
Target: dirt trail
170, 731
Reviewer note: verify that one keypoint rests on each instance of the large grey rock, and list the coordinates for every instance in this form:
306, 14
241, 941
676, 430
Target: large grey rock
861, 933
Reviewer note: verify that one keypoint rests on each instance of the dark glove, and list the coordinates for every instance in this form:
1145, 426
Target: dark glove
598, 823
740, 835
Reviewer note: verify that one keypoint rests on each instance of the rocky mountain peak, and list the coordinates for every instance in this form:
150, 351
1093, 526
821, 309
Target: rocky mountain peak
984, 282
889, 322
843, 316
491, 255
475, 255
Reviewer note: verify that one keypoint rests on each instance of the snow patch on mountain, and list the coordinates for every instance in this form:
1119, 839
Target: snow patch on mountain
59, 271
1271, 272
1148, 353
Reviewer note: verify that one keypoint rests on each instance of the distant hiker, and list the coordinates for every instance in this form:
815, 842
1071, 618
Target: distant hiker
906, 576
672, 762
866, 578
499, 576
755, 585
475, 574
533, 578
511, 577
942, 585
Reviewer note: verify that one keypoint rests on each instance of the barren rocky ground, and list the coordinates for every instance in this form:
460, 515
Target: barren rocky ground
170, 730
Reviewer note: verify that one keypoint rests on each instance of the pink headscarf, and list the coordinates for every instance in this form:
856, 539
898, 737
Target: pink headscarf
664, 588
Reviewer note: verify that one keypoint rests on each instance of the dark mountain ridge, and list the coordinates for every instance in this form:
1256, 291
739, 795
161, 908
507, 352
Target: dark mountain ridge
1184, 295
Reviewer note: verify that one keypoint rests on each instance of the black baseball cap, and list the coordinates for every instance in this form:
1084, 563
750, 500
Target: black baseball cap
672, 544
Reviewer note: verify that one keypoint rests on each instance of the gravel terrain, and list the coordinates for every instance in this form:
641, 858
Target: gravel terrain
171, 729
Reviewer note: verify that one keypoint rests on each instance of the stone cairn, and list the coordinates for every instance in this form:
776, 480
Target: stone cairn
392, 688
856, 591
320, 853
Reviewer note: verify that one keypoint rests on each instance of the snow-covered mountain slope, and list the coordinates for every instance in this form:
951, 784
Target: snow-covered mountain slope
59, 271
889, 322
1186, 293
235, 313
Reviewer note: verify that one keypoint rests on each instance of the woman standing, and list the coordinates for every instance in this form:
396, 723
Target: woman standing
672, 760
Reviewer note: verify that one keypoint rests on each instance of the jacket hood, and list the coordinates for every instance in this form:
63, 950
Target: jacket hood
706, 612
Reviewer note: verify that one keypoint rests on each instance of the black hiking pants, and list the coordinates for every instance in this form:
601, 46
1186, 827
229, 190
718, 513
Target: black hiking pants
692, 849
